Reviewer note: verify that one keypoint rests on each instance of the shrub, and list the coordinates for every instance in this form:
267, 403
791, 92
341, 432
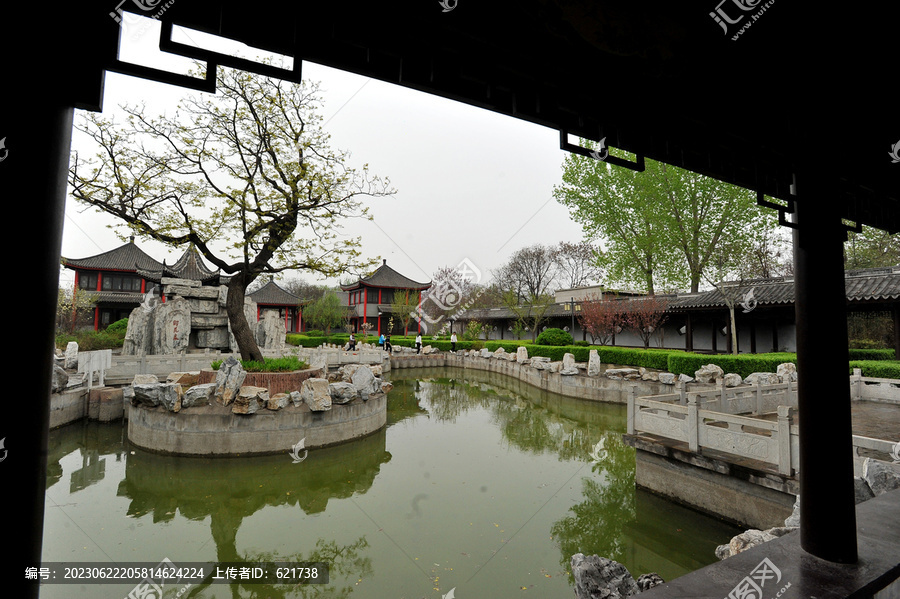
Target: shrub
871, 354
581, 344
882, 369
554, 337
93, 340
315, 333
118, 326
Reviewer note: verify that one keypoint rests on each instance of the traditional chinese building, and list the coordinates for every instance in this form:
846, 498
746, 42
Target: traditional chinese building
114, 281
372, 299
273, 298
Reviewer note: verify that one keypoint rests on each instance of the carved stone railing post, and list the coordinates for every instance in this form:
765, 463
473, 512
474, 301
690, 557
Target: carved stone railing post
784, 440
759, 397
693, 423
630, 410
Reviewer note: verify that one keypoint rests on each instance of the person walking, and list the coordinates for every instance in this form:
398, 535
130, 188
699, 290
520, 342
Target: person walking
453, 342
352, 342
387, 344
418, 343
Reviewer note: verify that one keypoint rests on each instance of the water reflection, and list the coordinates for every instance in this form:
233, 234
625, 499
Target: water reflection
478, 483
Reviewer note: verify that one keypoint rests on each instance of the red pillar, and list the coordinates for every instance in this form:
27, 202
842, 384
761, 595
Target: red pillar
365, 304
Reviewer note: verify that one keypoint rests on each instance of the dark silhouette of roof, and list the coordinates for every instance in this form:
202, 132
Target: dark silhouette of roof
386, 278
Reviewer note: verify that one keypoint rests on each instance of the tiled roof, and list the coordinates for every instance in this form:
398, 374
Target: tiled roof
128, 257
272, 294
388, 278
190, 266
865, 285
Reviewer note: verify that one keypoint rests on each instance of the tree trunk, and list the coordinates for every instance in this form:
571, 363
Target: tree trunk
234, 306
734, 339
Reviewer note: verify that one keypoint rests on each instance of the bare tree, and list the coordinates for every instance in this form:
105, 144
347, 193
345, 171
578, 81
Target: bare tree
576, 264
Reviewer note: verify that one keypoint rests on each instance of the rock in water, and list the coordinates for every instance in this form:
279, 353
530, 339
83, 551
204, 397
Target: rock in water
600, 578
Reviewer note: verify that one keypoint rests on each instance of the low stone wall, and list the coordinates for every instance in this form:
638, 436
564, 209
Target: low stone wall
104, 404
214, 430
581, 386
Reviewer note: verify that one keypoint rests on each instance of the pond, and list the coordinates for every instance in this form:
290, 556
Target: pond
479, 484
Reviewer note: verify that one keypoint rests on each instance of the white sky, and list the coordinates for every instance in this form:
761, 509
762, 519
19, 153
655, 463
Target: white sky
471, 184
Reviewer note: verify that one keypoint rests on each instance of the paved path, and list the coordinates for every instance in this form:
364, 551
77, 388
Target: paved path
879, 420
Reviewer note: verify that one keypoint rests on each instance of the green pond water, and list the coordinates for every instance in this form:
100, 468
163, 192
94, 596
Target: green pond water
479, 486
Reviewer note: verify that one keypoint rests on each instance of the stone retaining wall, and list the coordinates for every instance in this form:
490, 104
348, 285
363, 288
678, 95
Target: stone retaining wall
215, 430
581, 386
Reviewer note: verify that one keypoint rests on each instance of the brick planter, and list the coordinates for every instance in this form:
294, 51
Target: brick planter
275, 382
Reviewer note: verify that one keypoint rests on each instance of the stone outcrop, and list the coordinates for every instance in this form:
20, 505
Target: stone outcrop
878, 477
229, 379
316, 394
601, 578
194, 317
594, 366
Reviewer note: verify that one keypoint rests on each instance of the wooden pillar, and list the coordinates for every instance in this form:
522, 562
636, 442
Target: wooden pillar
827, 506
688, 334
896, 314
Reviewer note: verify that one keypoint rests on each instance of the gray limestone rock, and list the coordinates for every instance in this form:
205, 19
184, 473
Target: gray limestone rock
708, 373
198, 395
316, 394
71, 355
568, 361
146, 394
342, 392
601, 578
732, 380
521, 354
270, 331
279, 401
787, 371
666, 378
229, 379
594, 366
59, 379
881, 476
365, 382
764, 378
619, 374
648, 581
250, 399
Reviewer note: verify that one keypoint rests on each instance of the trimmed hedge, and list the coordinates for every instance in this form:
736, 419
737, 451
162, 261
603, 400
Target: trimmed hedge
872, 354
880, 369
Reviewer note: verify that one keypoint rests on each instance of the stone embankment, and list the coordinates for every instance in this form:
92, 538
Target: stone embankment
591, 380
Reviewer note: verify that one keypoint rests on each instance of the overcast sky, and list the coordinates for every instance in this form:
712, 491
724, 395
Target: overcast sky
471, 184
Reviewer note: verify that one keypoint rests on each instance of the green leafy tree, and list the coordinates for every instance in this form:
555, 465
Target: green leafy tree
404, 306
659, 227
246, 175
871, 248
327, 313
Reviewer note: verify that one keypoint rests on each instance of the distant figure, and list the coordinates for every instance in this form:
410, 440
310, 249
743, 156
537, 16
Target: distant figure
387, 344
453, 342
418, 342
381, 341
352, 342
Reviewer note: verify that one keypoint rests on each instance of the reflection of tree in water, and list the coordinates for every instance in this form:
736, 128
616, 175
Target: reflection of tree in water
576, 431
598, 524
231, 489
344, 563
